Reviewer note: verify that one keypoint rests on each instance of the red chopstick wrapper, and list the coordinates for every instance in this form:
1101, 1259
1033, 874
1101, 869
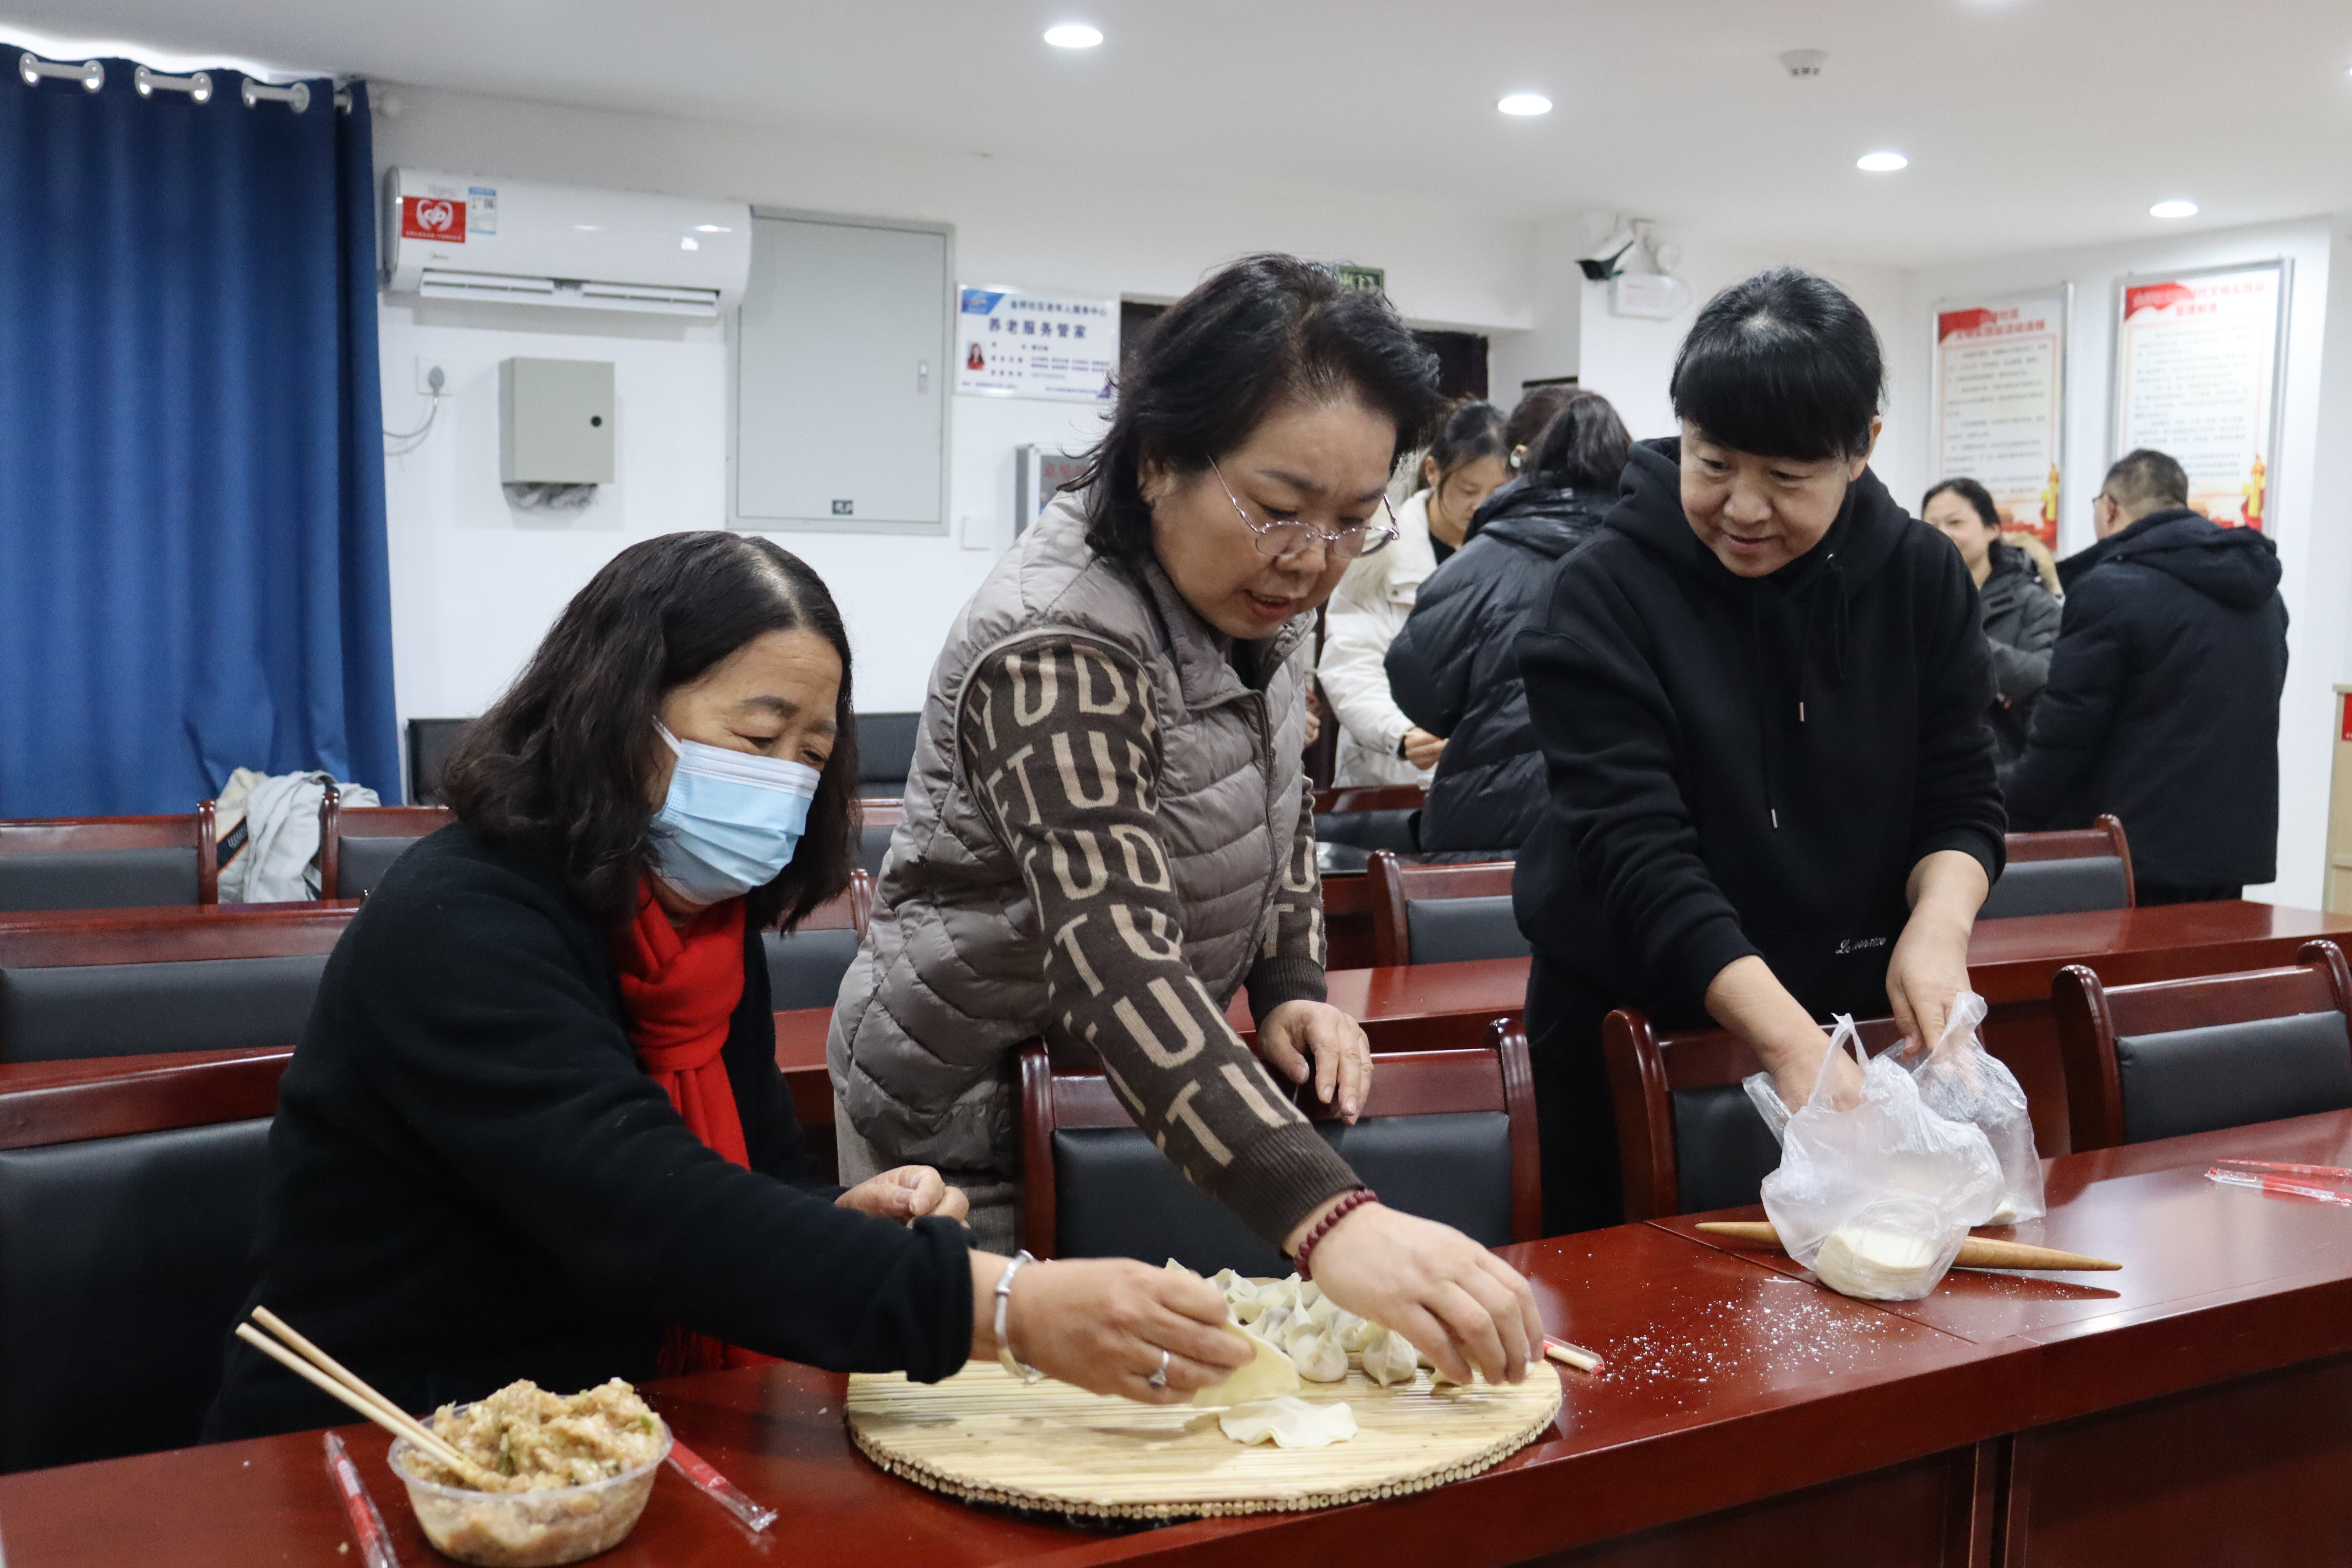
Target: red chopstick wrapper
375, 1547
718, 1488
2276, 1184
2288, 1168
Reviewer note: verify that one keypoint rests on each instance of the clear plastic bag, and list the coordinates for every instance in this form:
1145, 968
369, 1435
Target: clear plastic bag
1961, 1081
1876, 1198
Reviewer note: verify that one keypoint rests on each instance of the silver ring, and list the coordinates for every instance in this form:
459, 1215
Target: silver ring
1158, 1379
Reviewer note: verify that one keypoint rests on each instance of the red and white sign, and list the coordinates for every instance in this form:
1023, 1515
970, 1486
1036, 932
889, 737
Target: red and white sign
2001, 412
2196, 370
433, 217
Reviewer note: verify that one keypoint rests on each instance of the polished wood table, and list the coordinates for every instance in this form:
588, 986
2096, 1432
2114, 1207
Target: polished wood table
2193, 1409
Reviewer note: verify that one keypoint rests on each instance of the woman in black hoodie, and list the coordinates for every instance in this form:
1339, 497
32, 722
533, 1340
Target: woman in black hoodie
1760, 694
1452, 669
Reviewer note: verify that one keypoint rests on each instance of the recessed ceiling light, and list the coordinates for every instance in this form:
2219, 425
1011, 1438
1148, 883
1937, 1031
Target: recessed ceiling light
1074, 35
2173, 209
1525, 103
1882, 162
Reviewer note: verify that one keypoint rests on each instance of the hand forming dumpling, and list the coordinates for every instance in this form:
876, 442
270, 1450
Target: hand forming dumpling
1268, 1372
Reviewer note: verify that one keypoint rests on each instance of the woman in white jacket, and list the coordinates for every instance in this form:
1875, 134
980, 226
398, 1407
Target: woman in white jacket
1378, 745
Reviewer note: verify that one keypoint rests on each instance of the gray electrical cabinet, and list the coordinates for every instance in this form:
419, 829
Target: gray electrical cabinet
555, 422
842, 375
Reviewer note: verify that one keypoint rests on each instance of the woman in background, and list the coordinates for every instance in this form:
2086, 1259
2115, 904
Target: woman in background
1453, 667
2020, 615
1378, 745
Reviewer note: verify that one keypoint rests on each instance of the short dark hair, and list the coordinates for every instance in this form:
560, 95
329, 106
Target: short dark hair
1468, 429
1583, 448
1534, 411
1782, 365
558, 766
1968, 490
1265, 331
2147, 475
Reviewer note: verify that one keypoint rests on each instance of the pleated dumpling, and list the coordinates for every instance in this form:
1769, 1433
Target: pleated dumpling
1317, 1352
1389, 1359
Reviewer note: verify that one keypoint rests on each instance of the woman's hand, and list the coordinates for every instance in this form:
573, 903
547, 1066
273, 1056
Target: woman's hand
1422, 748
1929, 966
906, 1195
1457, 1302
1341, 1057
1747, 999
1102, 1323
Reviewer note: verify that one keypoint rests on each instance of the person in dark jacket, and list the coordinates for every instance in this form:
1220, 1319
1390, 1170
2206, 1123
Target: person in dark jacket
534, 1127
1760, 694
2163, 700
1452, 669
2020, 615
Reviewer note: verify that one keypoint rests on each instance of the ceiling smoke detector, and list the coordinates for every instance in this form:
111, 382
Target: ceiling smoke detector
1803, 64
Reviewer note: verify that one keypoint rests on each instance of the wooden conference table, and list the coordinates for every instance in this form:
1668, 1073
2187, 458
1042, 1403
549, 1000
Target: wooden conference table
2194, 1409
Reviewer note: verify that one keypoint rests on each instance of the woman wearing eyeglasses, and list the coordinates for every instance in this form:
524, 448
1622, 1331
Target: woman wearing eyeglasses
1108, 833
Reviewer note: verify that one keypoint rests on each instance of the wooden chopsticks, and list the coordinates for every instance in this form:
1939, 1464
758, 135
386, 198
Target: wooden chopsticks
307, 1361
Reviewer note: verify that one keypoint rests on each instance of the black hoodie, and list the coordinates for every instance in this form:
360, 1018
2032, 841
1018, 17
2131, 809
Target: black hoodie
1453, 671
1743, 765
2163, 702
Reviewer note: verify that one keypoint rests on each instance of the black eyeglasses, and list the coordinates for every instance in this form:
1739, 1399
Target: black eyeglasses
1280, 540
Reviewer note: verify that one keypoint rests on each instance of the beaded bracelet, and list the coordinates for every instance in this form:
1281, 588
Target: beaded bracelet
1339, 1211
1012, 1366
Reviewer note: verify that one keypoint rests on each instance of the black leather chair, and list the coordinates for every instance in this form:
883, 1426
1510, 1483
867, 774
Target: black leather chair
1450, 1135
881, 819
2176, 1057
885, 753
358, 844
128, 1213
1368, 818
1688, 1138
1443, 913
2064, 873
805, 965
109, 862
430, 742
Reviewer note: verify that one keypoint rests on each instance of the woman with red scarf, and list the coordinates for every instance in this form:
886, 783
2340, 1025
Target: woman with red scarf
535, 1127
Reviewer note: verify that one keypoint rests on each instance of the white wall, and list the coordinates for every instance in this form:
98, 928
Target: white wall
2308, 487
475, 584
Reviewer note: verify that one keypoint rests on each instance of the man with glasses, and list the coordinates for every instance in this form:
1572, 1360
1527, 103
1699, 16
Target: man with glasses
2163, 702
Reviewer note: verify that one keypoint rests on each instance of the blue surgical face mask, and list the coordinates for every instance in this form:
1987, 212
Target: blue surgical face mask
730, 822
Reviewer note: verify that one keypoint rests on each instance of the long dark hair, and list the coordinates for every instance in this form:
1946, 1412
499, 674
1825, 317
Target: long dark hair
1215, 364
1583, 448
1980, 499
1467, 430
558, 766
1529, 417
1781, 365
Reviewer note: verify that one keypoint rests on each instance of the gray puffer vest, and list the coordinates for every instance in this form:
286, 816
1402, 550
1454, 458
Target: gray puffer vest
951, 975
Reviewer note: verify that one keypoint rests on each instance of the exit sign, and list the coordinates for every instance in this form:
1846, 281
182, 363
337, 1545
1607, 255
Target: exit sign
1366, 280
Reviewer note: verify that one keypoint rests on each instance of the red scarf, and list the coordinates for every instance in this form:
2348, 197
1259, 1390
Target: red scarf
680, 990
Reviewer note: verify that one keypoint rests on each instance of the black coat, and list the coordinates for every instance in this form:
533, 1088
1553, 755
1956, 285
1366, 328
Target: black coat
1453, 672
2163, 702
471, 1180
2021, 626
1744, 766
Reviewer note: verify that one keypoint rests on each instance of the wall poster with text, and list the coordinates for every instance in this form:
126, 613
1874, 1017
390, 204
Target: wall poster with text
2001, 402
2199, 362
1012, 343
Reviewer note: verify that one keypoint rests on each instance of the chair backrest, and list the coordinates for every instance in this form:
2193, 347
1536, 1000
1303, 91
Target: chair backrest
1688, 1138
167, 979
805, 965
2063, 873
2176, 1057
1449, 1134
1371, 797
430, 742
129, 1198
885, 752
357, 843
1443, 914
109, 862
880, 819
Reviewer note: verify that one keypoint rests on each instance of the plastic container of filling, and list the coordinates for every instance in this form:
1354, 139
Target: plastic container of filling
528, 1529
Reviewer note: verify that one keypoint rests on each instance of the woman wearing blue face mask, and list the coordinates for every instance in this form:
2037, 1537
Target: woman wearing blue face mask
535, 1128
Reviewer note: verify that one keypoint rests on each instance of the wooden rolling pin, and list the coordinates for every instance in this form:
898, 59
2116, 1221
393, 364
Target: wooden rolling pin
1976, 1252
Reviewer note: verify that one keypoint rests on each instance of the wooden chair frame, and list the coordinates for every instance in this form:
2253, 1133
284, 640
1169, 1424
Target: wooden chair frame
1394, 882
2103, 837
1371, 797
43, 1103
193, 832
170, 936
2091, 1016
338, 822
1646, 1067
1495, 1076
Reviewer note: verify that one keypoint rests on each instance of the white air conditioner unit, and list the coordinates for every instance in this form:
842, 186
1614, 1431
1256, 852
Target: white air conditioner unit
472, 237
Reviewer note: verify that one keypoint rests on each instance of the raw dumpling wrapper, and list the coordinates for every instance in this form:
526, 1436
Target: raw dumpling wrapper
1289, 1423
1268, 1372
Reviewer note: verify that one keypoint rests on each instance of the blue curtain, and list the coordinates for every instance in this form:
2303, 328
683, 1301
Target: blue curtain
193, 573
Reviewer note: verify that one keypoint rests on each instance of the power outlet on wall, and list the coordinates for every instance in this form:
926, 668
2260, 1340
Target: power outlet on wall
431, 378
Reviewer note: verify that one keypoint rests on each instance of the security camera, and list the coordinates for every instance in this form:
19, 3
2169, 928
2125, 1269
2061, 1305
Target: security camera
1602, 264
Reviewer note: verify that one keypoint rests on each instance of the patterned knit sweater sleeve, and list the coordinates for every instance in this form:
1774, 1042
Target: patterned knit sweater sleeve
1061, 743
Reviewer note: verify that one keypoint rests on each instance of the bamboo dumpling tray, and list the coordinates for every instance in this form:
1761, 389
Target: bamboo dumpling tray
985, 1436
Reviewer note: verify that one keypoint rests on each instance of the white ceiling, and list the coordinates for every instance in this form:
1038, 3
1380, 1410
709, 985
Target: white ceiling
2029, 123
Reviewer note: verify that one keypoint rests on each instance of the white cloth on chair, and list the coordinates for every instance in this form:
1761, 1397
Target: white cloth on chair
279, 859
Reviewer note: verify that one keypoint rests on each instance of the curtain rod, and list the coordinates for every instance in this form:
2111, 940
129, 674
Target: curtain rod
198, 87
